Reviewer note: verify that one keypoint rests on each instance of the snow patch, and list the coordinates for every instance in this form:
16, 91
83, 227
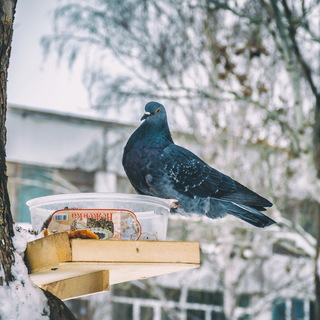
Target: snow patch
22, 299
21, 238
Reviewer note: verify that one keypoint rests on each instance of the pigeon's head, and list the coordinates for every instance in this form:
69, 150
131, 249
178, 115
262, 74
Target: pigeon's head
154, 112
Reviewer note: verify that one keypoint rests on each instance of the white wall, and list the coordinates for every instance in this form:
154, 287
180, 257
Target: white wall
54, 140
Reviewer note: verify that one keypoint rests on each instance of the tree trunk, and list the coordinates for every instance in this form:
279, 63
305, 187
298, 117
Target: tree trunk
316, 155
307, 71
58, 310
7, 11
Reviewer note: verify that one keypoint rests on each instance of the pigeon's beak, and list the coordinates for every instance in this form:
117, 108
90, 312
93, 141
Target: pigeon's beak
145, 116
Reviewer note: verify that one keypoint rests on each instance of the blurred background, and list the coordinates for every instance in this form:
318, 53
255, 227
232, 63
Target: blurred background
240, 82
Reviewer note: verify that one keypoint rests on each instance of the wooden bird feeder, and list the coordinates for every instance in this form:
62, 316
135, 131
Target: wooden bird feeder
78, 267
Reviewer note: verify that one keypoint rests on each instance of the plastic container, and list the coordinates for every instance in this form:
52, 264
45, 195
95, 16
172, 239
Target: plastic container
133, 217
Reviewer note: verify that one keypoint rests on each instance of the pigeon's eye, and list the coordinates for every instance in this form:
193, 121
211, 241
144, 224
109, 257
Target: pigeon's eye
158, 110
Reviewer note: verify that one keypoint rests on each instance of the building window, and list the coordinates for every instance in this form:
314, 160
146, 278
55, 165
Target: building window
27, 182
169, 313
292, 309
195, 314
244, 300
146, 313
172, 294
217, 315
205, 297
168, 303
121, 311
131, 291
297, 309
312, 311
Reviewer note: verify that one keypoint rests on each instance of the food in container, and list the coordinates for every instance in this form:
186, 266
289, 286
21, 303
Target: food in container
105, 216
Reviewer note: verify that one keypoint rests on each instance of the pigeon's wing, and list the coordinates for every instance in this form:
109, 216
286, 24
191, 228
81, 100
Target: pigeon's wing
191, 176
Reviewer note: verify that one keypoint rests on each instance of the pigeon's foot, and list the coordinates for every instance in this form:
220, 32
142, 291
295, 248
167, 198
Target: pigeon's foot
175, 205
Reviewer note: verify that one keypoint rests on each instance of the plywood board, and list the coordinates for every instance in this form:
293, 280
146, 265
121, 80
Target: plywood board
48, 252
118, 272
57, 264
86, 284
135, 251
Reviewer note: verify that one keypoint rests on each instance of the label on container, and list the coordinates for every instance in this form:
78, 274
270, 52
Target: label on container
105, 223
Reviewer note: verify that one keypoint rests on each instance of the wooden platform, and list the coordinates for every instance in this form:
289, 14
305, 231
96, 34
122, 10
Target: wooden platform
78, 267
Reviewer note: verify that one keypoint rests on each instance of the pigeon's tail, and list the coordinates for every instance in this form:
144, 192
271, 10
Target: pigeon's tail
249, 215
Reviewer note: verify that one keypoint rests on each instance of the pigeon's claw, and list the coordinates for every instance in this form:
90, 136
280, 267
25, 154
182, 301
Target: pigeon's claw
175, 204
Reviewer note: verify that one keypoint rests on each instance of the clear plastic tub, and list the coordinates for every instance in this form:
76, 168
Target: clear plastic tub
148, 216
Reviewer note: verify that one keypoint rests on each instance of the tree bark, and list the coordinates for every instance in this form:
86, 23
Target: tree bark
307, 71
316, 156
58, 310
7, 11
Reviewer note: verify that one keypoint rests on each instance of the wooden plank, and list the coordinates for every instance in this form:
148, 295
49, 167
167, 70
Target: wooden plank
48, 252
79, 286
135, 251
81, 266
143, 271
118, 272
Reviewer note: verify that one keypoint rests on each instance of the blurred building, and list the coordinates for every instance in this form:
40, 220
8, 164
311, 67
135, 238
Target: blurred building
52, 153
246, 273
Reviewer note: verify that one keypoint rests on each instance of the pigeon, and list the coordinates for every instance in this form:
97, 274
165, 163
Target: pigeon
157, 167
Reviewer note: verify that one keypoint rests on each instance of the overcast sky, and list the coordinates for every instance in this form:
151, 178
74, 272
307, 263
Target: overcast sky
33, 80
